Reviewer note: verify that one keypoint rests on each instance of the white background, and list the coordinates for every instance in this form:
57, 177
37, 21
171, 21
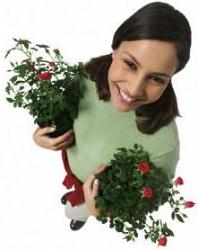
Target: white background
31, 216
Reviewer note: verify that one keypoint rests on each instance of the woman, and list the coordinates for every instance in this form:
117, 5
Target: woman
129, 98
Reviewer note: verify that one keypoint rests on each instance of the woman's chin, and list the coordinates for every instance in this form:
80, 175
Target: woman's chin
120, 107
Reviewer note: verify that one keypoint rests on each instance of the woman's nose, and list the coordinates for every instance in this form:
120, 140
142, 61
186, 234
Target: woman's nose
136, 88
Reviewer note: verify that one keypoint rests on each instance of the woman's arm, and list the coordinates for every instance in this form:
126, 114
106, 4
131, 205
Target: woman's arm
41, 138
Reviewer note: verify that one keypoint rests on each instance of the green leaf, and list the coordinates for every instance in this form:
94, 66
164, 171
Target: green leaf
22, 69
173, 215
135, 233
124, 150
13, 79
42, 46
128, 237
151, 217
35, 49
7, 89
8, 52
56, 51
24, 42
40, 58
169, 232
10, 100
179, 218
12, 64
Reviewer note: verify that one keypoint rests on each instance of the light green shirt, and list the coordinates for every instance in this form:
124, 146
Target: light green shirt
100, 130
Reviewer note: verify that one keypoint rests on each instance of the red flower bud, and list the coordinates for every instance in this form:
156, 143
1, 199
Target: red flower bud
179, 181
162, 241
44, 76
144, 167
148, 192
52, 64
189, 204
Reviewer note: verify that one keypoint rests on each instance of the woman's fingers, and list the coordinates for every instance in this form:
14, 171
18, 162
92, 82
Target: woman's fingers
95, 187
41, 138
63, 138
63, 145
45, 130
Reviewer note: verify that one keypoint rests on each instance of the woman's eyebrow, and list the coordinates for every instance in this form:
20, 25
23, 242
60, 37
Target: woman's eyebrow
136, 61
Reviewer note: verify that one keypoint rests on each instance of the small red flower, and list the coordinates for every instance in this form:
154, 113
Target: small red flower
179, 181
162, 241
144, 167
189, 204
52, 64
148, 192
44, 76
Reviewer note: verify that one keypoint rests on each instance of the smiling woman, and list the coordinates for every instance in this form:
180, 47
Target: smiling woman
129, 98
140, 72
158, 39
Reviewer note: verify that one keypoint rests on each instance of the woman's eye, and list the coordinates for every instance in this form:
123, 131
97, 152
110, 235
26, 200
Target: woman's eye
130, 64
157, 79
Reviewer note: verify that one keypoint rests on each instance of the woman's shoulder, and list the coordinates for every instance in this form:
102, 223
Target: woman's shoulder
169, 134
89, 86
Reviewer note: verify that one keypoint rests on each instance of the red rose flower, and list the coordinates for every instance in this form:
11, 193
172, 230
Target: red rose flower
44, 76
179, 181
162, 241
144, 167
189, 204
52, 64
148, 192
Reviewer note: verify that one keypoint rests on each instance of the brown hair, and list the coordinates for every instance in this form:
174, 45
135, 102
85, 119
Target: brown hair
158, 21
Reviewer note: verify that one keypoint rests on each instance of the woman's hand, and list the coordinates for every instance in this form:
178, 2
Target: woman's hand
43, 140
90, 189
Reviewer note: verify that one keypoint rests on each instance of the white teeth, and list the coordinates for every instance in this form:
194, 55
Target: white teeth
126, 97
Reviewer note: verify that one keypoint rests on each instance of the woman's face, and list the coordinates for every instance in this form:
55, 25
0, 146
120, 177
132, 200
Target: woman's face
140, 72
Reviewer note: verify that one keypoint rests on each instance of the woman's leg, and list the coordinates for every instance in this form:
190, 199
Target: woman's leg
78, 212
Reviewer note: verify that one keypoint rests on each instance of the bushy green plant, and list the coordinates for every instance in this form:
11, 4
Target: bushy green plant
46, 85
131, 188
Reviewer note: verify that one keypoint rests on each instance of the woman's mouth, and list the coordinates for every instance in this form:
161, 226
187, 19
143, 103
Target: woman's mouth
124, 98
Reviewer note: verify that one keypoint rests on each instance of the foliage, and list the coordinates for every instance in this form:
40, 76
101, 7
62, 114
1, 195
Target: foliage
131, 188
46, 85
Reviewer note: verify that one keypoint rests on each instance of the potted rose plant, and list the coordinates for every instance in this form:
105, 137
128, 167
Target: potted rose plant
46, 85
131, 188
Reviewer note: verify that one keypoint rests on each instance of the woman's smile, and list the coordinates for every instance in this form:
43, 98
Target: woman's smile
123, 98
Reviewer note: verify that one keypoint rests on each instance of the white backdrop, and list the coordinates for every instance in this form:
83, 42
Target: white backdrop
31, 216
